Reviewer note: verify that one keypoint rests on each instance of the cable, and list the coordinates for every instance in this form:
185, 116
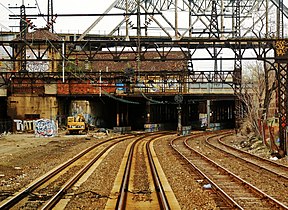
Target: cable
105, 93
119, 99
151, 100
40, 10
15, 16
9, 11
5, 27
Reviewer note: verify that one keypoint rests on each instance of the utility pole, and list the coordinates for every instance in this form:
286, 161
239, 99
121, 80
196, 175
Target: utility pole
50, 14
23, 32
138, 57
24, 24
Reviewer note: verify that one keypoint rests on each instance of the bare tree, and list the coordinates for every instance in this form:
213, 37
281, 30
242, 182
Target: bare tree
258, 85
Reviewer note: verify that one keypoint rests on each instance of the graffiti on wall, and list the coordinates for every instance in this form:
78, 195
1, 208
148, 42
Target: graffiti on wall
203, 119
25, 125
83, 107
41, 127
77, 109
45, 128
37, 66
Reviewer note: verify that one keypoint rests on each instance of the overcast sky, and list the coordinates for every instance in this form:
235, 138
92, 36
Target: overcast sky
60, 7
63, 24
71, 24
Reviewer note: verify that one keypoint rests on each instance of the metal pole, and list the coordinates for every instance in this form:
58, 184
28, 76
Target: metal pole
50, 14
179, 127
138, 19
208, 113
148, 111
222, 18
118, 115
100, 81
190, 19
23, 32
126, 19
138, 59
63, 61
267, 18
176, 19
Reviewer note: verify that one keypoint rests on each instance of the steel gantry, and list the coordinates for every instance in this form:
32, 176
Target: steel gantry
193, 37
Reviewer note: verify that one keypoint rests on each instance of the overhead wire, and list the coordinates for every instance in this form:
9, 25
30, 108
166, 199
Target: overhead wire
104, 92
70, 61
10, 11
119, 99
7, 10
36, 2
5, 27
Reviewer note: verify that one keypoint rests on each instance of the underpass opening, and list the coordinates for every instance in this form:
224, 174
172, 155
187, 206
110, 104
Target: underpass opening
161, 113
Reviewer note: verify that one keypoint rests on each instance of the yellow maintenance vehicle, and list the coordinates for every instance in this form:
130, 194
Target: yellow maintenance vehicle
76, 125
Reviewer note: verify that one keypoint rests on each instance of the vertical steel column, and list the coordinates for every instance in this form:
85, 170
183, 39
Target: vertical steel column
208, 113
117, 114
222, 18
50, 14
179, 99
282, 82
127, 115
190, 19
179, 126
280, 26
23, 32
126, 20
282, 104
237, 19
148, 111
237, 64
267, 18
138, 58
176, 19
214, 29
146, 19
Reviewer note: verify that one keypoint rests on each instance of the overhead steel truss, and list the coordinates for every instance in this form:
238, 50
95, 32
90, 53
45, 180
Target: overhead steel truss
187, 26
118, 49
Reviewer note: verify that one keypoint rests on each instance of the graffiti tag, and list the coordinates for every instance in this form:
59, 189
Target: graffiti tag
45, 128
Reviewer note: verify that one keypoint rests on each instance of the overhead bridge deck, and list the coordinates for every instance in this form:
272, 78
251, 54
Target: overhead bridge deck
153, 112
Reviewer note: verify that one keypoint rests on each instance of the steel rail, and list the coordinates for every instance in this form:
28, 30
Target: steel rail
54, 200
247, 160
124, 186
34, 185
158, 186
235, 177
218, 190
121, 201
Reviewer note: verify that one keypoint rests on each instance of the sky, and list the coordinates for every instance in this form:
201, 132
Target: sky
63, 24
70, 25
60, 7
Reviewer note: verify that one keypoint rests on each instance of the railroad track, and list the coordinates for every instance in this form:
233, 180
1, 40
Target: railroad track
281, 171
45, 191
143, 183
276, 173
234, 191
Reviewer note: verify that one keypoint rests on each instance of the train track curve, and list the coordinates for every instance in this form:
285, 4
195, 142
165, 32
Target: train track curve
236, 192
65, 174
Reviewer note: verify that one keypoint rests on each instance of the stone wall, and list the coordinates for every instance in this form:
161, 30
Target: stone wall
28, 105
